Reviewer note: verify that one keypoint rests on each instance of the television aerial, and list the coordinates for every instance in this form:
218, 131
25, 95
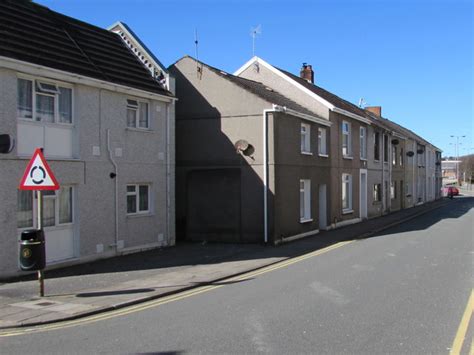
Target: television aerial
254, 32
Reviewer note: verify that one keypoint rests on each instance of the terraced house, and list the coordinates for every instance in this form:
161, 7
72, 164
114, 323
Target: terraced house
99, 104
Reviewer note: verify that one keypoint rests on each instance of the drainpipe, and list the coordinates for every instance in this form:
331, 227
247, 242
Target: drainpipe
168, 173
265, 175
116, 189
390, 165
384, 198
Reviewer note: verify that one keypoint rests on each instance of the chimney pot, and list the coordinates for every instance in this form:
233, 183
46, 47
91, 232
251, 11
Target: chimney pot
377, 110
307, 73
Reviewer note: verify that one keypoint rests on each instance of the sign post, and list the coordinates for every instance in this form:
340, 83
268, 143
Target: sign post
38, 177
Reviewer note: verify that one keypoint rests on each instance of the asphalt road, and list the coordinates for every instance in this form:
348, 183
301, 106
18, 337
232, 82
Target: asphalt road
403, 291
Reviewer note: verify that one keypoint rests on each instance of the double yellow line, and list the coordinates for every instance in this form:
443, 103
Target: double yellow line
168, 299
463, 327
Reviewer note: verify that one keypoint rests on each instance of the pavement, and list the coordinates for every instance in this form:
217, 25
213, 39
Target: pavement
105, 285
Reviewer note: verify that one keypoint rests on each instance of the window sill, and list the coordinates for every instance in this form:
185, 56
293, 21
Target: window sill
42, 123
347, 211
376, 161
363, 159
306, 153
348, 157
375, 203
306, 220
138, 215
144, 130
324, 155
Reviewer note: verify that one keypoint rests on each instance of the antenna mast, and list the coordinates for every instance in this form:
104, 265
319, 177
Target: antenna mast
196, 42
254, 32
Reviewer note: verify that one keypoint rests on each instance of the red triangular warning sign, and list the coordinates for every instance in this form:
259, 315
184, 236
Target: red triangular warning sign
38, 174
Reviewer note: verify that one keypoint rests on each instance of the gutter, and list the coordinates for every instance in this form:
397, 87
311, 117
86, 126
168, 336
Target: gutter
321, 121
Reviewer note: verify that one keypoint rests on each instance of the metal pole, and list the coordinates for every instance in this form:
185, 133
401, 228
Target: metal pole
40, 226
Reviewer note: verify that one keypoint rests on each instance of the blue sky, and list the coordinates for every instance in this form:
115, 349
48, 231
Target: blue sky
413, 58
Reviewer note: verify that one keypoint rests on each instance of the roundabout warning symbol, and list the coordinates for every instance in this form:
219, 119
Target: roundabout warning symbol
38, 174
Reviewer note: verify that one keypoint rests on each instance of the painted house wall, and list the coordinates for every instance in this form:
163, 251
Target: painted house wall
290, 167
141, 159
210, 120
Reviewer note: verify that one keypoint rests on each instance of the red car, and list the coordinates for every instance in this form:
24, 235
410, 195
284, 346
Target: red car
450, 191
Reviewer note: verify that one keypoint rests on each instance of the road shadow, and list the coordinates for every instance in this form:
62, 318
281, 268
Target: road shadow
187, 254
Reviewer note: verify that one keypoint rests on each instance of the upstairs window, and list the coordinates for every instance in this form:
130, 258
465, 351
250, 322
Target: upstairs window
346, 138
377, 146
400, 160
322, 145
385, 148
137, 114
305, 138
363, 143
394, 155
44, 102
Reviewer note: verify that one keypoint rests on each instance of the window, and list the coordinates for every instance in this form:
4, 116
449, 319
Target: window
385, 148
363, 143
24, 214
305, 138
57, 207
138, 197
322, 147
393, 189
400, 160
346, 192
137, 114
346, 138
51, 103
394, 155
305, 200
377, 192
377, 146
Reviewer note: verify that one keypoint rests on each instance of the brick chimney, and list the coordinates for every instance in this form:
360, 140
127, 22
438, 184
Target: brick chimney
307, 73
377, 110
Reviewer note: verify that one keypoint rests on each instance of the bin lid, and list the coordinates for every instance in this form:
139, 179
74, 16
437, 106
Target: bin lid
35, 234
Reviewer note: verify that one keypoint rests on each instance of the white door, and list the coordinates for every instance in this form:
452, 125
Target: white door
322, 207
363, 194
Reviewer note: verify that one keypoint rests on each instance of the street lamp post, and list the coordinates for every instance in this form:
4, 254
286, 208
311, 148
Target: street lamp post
456, 151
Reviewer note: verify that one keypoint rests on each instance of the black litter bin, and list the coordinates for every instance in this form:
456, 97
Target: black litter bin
32, 250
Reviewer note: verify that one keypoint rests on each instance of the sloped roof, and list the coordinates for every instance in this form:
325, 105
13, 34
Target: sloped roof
33, 33
326, 95
262, 91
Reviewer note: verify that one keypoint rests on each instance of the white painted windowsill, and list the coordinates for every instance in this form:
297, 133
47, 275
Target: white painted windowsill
348, 157
347, 211
306, 220
306, 153
323, 155
143, 130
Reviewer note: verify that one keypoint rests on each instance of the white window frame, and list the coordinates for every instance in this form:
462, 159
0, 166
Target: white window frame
136, 193
393, 189
346, 180
136, 107
57, 224
346, 134
322, 142
305, 201
305, 131
363, 143
38, 81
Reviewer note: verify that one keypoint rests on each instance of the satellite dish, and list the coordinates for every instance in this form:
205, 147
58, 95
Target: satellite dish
241, 145
7, 143
395, 141
410, 153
